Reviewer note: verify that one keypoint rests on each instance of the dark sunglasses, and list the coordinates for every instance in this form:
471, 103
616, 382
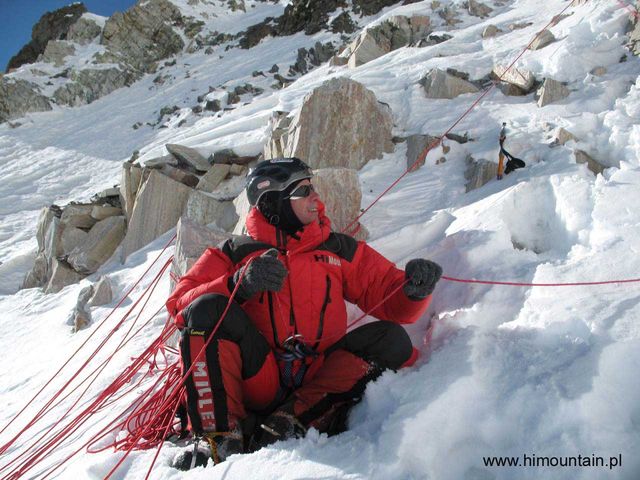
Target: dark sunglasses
303, 191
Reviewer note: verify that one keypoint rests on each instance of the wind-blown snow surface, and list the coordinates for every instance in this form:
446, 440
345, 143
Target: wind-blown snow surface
544, 371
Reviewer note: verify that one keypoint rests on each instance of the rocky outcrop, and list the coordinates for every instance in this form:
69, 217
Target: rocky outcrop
543, 39
102, 293
371, 7
81, 315
18, 97
74, 241
129, 184
158, 206
361, 131
188, 158
55, 52
100, 243
214, 177
144, 34
191, 242
88, 85
592, 164
51, 26
634, 38
340, 191
397, 32
302, 15
562, 136
205, 209
478, 9
519, 77
61, 276
439, 84
84, 31
551, 92
490, 31
416, 144
478, 173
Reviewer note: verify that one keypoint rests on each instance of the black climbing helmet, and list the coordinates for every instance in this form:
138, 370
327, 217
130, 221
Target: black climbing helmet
275, 175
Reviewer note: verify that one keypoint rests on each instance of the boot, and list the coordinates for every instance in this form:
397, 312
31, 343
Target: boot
280, 425
224, 444
212, 445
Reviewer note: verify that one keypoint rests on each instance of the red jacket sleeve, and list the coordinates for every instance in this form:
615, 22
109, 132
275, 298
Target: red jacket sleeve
370, 277
209, 274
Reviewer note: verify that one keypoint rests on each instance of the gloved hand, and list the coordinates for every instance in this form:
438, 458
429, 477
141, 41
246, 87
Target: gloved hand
422, 276
264, 273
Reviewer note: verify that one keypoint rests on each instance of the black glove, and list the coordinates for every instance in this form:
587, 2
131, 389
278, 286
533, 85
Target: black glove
422, 276
264, 273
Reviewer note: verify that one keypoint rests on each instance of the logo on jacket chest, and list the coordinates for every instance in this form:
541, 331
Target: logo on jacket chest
327, 259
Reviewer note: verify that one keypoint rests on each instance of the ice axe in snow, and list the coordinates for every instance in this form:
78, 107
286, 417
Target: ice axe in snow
513, 163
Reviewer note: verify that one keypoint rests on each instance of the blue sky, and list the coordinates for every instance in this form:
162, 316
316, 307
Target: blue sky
19, 16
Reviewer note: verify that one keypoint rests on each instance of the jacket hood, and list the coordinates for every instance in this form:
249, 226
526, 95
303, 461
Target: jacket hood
308, 238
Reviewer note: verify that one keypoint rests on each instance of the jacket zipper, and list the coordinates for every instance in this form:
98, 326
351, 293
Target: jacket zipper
327, 300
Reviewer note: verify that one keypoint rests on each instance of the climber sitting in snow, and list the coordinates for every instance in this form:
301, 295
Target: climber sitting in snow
282, 358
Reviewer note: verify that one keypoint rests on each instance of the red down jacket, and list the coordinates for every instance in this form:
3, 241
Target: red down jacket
325, 269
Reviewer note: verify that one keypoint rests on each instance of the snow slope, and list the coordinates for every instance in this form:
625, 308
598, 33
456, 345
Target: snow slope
509, 371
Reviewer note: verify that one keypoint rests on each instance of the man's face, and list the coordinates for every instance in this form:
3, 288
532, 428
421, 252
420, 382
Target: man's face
305, 208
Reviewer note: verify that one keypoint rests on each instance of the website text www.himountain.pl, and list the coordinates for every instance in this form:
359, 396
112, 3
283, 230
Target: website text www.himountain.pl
533, 460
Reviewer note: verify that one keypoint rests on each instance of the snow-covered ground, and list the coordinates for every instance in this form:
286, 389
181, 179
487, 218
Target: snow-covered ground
509, 371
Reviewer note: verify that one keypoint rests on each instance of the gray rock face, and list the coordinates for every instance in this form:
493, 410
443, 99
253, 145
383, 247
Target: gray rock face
61, 276
88, 85
39, 274
439, 84
55, 52
158, 206
634, 38
192, 240
592, 164
188, 157
51, 26
360, 132
279, 123
99, 245
479, 173
18, 97
81, 316
340, 191
551, 92
216, 174
397, 32
563, 136
490, 31
83, 31
72, 238
100, 212
519, 77
78, 215
478, 9
415, 146
102, 293
545, 38
129, 184
72, 243
144, 34
205, 210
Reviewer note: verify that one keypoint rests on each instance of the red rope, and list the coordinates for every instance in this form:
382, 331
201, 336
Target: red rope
41, 447
520, 284
7, 445
173, 398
